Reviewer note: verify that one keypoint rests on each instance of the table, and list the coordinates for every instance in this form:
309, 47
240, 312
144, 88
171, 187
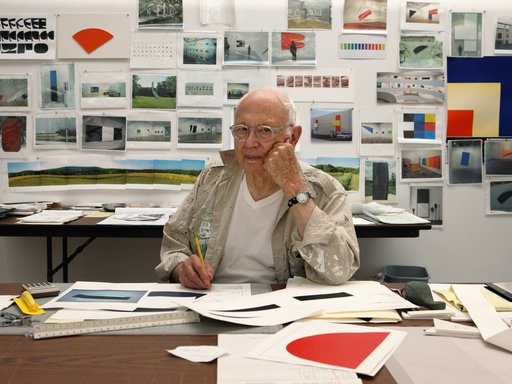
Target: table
88, 227
114, 358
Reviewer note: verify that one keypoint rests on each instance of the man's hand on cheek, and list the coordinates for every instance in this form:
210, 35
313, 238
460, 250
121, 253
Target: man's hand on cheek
281, 163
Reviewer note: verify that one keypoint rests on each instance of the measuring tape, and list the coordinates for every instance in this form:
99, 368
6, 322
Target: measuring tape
44, 331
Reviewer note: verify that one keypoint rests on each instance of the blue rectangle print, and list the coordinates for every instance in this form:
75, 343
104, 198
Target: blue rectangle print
464, 159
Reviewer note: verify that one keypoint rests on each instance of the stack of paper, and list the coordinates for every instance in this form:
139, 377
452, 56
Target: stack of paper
353, 348
139, 216
385, 214
52, 217
23, 209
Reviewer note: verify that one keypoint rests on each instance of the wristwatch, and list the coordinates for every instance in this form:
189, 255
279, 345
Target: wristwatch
300, 198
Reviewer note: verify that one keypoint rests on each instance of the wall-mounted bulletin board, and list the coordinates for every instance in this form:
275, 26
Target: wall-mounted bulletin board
403, 101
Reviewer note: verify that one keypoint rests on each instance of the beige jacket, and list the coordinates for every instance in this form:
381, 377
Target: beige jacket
328, 252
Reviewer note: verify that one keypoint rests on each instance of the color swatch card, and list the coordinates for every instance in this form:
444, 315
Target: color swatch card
330, 345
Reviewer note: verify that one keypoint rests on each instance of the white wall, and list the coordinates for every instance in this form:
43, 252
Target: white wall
469, 247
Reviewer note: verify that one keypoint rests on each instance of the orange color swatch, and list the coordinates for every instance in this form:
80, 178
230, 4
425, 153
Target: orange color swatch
91, 39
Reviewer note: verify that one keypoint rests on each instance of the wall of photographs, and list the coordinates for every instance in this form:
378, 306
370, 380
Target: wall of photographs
403, 101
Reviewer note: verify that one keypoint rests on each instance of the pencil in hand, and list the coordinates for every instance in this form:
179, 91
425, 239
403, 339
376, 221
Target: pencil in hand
200, 254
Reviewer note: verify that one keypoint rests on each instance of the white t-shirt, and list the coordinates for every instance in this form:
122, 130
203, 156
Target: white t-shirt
247, 254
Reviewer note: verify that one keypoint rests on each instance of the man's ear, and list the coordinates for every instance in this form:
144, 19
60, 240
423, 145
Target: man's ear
296, 132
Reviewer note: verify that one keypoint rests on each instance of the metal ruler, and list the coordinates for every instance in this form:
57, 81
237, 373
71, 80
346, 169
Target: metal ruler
44, 331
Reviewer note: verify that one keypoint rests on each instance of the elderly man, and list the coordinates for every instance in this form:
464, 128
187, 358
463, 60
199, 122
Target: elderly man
260, 215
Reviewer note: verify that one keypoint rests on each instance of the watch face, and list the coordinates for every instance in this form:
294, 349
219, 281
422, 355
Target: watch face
302, 197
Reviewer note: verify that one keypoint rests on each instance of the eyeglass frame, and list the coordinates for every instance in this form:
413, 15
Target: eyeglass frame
274, 131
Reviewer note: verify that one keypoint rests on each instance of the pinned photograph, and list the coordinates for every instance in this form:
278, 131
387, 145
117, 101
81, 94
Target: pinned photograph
503, 39
426, 201
160, 14
58, 86
199, 51
55, 132
293, 48
380, 180
419, 125
331, 124
199, 132
154, 90
425, 15
148, 131
13, 133
347, 170
104, 133
309, 14
498, 157
420, 51
465, 161
246, 48
466, 36
499, 200
14, 92
421, 164
103, 90
362, 16
410, 88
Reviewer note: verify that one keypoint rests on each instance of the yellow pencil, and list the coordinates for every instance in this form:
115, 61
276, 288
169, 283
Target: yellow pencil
200, 253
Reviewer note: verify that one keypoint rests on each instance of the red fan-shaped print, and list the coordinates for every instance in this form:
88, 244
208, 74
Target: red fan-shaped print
91, 39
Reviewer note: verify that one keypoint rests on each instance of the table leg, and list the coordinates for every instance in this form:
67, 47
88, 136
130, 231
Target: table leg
64, 259
49, 259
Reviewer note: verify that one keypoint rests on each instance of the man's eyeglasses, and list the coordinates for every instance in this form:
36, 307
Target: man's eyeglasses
262, 133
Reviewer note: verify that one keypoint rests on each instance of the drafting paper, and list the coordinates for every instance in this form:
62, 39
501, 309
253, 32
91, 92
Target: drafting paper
338, 346
76, 30
31, 36
153, 50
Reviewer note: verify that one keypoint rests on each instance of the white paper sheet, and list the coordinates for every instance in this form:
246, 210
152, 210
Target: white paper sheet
277, 347
234, 368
